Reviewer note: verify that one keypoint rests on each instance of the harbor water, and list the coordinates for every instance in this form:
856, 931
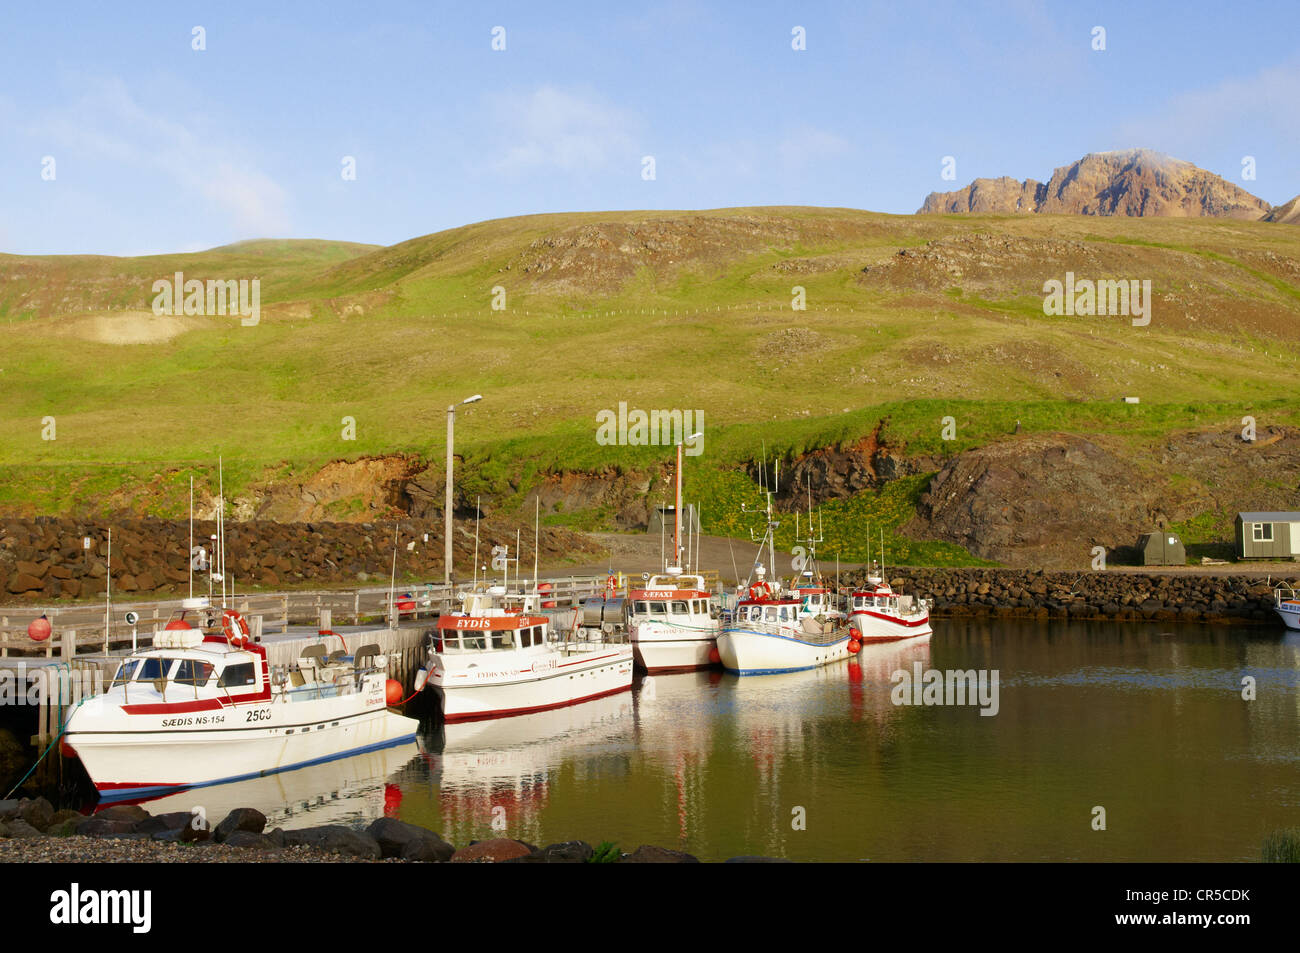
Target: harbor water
1103, 742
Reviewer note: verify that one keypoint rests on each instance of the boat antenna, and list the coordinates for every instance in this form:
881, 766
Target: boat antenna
517, 555
221, 524
392, 584
734, 568
537, 529
478, 514
191, 536
108, 589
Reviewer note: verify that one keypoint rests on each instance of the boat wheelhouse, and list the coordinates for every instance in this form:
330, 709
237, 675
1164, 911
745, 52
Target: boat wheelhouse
202, 706
673, 626
499, 657
878, 614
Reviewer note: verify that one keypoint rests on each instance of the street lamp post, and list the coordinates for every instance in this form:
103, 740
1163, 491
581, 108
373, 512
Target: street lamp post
451, 425
677, 510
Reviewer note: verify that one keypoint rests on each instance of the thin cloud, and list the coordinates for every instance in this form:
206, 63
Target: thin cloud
551, 128
106, 123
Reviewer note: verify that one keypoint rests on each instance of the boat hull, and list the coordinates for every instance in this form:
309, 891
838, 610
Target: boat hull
667, 648
873, 627
150, 761
572, 680
747, 651
1289, 613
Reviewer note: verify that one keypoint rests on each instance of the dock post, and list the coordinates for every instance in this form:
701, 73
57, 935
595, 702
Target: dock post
356, 608
68, 648
255, 630
326, 620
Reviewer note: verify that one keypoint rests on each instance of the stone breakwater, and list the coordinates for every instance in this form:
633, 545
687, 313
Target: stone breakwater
32, 830
1119, 596
45, 558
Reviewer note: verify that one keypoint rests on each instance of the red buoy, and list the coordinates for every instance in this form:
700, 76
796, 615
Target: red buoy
714, 657
38, 630
393, 692
407, 604
854, 646
177, 625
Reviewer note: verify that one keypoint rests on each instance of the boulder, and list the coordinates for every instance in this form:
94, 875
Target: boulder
569, 852
165, 822
123, 812
39, 812
246, 819
101, 827
336, 839
17, 828
250, 840
399, 839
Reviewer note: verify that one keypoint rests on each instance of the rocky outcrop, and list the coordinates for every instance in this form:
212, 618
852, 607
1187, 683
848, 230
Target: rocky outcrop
1045, 500
1288, 213
1134, 182
836, 473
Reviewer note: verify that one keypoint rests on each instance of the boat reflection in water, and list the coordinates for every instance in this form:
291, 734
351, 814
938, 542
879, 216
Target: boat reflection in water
352, 791
494, 778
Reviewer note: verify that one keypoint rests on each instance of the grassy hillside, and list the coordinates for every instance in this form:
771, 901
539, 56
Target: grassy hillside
914, 318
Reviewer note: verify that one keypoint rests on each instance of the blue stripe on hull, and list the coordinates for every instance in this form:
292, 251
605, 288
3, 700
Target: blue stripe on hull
118, 794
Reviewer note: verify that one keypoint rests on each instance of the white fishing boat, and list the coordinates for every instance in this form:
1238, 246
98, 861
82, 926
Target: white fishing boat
672, 624
769, 634
878, 614
1286, 603
201, 706
498, 656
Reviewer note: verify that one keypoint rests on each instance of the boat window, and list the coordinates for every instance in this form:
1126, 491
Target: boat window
679, 608
193, 672
785, 613
643, 608
503, 639
151, 668
771, 614
473, 642
124, 672
539, 634
237, 676
659, 608
450, 639
525, 638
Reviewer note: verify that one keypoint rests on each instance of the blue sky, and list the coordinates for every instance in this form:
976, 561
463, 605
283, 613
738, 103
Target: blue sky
159, 147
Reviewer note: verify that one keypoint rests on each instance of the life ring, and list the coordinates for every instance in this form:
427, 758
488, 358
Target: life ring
235, 627
611, 583
757, 591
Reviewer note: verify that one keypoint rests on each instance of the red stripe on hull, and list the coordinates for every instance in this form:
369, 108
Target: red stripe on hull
508, 712
890, 619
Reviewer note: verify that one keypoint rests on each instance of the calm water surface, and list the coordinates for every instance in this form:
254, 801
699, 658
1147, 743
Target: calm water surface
1146, 721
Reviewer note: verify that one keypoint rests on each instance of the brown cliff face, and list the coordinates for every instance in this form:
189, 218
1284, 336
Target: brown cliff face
1136, 182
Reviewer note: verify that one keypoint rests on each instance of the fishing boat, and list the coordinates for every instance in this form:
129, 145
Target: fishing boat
878, 614
499, 656
672, 624
201, 706
1286, 603
769, 634
770, 631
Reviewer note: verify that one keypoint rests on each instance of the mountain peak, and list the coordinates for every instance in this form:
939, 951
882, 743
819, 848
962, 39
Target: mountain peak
1130, 182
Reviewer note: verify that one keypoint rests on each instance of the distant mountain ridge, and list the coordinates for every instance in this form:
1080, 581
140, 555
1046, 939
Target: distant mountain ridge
1134, 182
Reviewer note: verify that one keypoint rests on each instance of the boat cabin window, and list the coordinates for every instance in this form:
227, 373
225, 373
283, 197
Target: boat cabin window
679, 608
659, 608
192, 672
125, 671
473, 641
241, 675
642, 608
504, 639
152, 668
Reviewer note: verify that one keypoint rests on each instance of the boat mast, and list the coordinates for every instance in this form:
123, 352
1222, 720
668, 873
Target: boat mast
108, 589
677, 513
191, 535
478, 513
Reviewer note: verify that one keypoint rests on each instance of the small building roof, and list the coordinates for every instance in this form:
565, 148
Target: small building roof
1270, 517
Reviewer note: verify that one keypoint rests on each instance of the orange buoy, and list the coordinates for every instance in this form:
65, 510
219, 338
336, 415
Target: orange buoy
854, 646
177, 624
38, 630
714, 656
393, 692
